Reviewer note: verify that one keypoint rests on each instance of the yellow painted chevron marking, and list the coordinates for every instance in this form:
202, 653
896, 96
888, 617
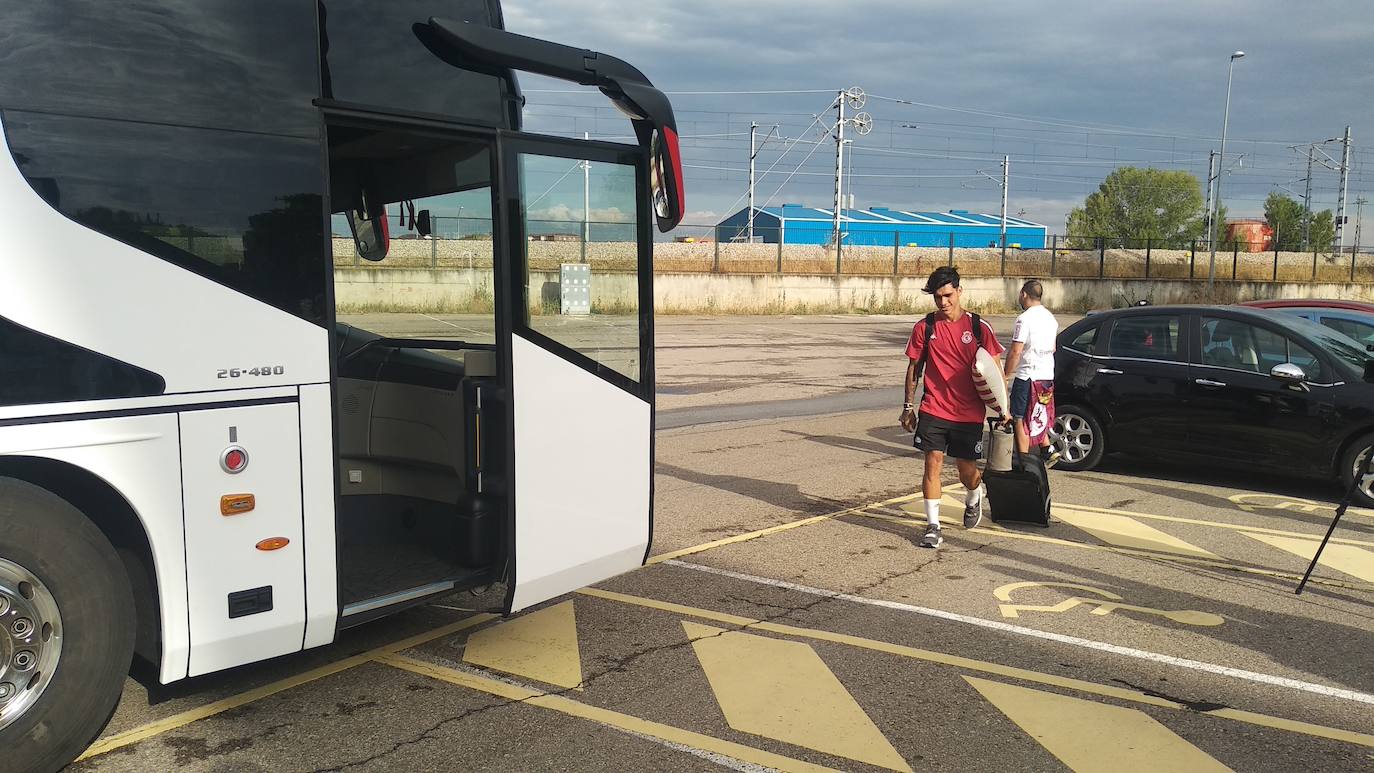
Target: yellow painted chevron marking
1089, 737
981, 666
1217, 563
1357, 562
615, 719
1128, 533
782, 690
541, 645
1207, 524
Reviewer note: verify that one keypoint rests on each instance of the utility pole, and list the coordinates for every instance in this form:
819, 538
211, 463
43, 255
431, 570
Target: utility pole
839, 165
1207, 218
1360, 201
753, 129
1345, 179
1307, 201
1221, 168
586, 199
1006, 171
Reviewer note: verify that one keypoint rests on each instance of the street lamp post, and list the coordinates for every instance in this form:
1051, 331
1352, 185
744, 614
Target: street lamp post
1221, 168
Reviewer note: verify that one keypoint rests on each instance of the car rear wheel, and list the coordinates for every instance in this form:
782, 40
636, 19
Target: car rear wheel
1352, 467
1078, 437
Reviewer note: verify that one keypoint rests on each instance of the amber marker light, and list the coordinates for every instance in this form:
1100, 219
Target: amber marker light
273, 543
236, 504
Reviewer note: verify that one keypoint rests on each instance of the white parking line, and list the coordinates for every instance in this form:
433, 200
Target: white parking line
1130, 652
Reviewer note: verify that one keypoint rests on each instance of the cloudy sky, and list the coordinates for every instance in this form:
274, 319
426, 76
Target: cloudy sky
1069, 90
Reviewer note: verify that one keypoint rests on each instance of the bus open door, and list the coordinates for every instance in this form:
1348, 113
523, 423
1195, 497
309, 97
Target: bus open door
581, 376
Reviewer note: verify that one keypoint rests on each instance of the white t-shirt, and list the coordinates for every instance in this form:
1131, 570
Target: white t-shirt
1036, 328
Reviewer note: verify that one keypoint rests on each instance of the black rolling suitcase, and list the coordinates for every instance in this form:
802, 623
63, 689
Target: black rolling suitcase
1021, 493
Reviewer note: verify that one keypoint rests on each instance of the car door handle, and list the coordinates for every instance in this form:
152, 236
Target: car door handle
1109, 371
1208, 382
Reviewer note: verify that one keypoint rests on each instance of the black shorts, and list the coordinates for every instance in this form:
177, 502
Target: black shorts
961, 441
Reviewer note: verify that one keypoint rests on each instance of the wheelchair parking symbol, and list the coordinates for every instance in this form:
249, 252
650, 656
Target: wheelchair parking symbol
1108, 603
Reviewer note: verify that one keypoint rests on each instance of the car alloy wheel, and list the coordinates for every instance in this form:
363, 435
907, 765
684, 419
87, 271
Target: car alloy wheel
1073, 436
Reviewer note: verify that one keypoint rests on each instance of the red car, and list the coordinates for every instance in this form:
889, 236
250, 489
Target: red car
1353, 318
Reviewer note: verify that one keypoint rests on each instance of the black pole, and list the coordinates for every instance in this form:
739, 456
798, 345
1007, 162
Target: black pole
1101, 256
1340, 511
1148, 243
1054, 252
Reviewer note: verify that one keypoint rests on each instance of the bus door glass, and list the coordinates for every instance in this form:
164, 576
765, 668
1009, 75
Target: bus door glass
582, 371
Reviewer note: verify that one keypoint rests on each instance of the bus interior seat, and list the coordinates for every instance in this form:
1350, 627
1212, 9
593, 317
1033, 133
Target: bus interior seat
401, 418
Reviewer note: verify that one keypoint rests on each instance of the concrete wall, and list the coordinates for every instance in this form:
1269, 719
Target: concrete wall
456, 290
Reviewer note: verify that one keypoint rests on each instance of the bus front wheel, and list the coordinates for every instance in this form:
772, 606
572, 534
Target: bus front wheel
66, 629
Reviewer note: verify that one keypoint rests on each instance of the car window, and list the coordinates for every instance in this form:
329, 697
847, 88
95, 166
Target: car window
1358, 330
1302, 357
1152, 337
1229, 343
1086, 341
1345, 349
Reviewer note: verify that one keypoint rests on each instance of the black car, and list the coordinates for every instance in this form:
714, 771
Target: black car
1226, 385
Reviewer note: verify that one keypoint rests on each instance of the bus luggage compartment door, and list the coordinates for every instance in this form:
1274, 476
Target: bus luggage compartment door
245, 566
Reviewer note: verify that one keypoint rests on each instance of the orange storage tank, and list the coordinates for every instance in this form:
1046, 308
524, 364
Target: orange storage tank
1253, 235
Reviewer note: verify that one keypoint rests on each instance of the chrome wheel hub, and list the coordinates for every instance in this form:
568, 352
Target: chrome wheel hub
1366, 482
1073, 437
30, 640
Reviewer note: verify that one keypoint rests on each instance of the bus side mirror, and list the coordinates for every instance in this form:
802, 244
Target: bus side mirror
371, 236
665, 178
424, 223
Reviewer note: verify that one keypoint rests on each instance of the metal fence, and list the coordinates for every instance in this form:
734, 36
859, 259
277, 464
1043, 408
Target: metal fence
916, 253
610, 246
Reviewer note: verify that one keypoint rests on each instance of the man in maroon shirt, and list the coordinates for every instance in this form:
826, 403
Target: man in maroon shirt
950, 420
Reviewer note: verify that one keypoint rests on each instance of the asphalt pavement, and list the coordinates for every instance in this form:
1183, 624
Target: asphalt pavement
789, 621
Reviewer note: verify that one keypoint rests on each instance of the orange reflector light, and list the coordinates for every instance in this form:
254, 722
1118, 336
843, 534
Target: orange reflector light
236, 504
273, 543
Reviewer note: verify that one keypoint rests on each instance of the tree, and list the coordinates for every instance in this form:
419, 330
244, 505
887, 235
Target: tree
1284, 215
1218, 228
1136, 204
1323, 231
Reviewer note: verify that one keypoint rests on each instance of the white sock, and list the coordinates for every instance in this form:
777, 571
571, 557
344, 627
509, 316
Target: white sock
973, 496
933, 512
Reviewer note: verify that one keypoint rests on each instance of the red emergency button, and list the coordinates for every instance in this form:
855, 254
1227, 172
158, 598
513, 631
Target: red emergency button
233, 459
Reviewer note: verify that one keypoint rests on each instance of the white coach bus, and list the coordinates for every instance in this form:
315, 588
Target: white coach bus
200, 464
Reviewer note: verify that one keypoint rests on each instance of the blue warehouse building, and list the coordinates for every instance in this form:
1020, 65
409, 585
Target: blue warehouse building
880, 227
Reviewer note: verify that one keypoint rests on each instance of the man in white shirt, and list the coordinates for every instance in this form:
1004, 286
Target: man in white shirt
1030, 370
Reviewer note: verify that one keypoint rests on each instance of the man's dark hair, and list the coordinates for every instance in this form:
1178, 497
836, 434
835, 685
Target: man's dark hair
944, 275
1033, 289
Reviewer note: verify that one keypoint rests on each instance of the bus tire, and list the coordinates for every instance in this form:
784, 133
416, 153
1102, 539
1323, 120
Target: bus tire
58, 571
